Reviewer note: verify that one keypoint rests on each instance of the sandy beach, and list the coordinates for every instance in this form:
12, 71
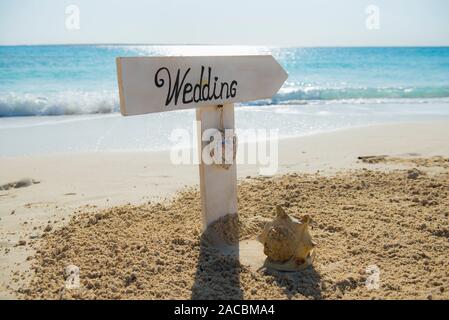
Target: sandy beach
122, 210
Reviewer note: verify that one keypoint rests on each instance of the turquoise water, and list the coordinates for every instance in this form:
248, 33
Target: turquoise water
62, 80
65, 98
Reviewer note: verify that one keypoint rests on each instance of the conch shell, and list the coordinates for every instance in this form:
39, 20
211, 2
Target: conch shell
287, 242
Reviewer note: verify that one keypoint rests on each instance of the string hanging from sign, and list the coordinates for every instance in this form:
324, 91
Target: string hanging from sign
227, 146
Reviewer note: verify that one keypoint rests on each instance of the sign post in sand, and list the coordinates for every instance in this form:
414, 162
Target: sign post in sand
212, 84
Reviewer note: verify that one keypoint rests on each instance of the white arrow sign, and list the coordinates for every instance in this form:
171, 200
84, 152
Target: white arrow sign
157, 84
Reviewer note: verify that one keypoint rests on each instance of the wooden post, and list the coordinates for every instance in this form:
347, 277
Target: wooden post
219, 198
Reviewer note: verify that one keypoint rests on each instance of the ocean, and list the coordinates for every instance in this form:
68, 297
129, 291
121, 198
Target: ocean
65, 98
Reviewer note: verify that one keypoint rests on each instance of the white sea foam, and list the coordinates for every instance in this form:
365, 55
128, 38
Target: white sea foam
60, 103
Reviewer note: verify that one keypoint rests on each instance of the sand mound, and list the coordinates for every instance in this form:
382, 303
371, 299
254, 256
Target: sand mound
374, 228
224, 231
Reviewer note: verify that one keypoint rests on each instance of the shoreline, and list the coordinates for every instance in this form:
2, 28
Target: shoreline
282, 139
71, 183
155, 133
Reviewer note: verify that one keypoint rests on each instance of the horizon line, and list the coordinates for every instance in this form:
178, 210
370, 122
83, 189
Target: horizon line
222, 45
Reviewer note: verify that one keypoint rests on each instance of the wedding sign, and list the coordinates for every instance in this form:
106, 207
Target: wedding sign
157, 84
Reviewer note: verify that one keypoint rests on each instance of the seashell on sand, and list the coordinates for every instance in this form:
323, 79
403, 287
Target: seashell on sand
287, 242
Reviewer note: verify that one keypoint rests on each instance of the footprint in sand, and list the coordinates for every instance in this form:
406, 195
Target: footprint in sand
22, 183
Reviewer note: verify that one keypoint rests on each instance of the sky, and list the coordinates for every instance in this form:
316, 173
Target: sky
239, 22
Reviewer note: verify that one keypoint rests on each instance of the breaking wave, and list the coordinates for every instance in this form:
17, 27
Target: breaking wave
62, 103
97, 102
353, 95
